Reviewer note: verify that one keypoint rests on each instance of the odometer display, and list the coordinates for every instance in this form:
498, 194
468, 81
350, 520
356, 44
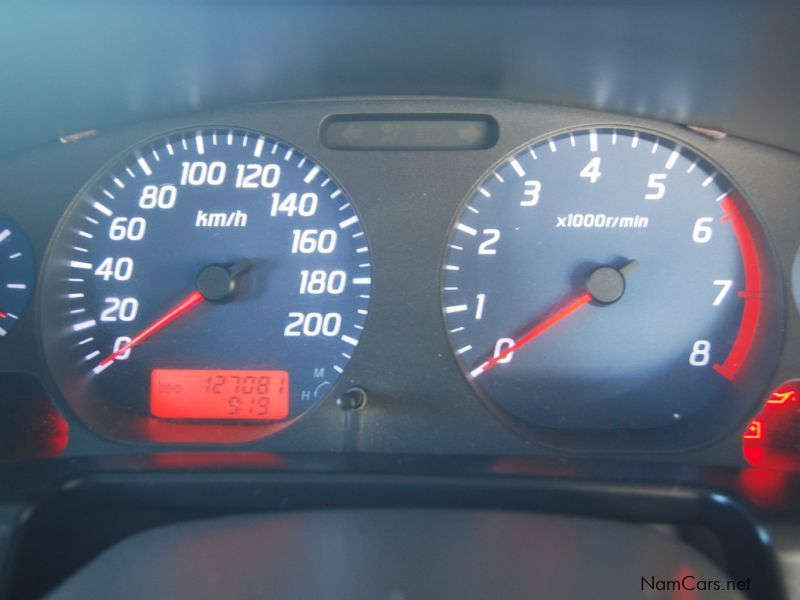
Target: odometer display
212, 250
609, 285
234, 395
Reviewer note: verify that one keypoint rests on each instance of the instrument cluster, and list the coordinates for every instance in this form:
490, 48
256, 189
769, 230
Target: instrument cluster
428, 276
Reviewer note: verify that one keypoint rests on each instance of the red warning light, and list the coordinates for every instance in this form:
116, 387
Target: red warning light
772, 439
215, 395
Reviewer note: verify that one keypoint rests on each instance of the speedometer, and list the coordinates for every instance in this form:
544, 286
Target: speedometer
209, 286
611, 288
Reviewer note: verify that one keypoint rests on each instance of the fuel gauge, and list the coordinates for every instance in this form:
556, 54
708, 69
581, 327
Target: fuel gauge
17, 274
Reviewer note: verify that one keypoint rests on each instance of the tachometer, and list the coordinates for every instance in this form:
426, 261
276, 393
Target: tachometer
607, 286
209, 286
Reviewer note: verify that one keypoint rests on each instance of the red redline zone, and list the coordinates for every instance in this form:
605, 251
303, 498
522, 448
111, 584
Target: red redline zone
752, 294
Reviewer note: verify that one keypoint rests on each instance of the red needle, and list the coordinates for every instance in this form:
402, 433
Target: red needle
3, 315
557, 316
183, 307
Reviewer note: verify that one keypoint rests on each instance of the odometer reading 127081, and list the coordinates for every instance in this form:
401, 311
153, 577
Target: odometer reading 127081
610, 289
211, 277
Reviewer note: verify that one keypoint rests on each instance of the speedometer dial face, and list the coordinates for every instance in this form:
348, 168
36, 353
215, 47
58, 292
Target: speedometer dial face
609, 286
210, 286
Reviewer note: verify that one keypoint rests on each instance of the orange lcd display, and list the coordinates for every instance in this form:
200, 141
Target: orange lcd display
219, 394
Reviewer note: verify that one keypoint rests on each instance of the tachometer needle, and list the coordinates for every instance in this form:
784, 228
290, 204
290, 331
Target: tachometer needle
605, 285
180, 309
539, 329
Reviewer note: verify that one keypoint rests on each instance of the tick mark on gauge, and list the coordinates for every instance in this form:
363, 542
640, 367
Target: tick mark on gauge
467, 229
673, 157
347, 222
144, 166
84, 325
484, 193
100, 207
347, 339
517, 167
311, 175
76, 264
259, 148
455, 309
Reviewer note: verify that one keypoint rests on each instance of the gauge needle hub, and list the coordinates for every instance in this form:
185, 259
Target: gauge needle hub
605, 285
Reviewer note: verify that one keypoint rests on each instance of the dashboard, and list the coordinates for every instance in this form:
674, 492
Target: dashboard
383, 274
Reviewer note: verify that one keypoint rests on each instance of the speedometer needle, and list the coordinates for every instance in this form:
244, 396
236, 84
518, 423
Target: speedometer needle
605, 286
3, 315
181, 308
215, 283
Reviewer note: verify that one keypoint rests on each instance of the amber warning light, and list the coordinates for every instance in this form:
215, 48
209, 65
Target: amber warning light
214, 394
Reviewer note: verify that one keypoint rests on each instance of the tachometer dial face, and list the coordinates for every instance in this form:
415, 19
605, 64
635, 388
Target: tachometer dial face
17, 274
606, 286
210, 286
